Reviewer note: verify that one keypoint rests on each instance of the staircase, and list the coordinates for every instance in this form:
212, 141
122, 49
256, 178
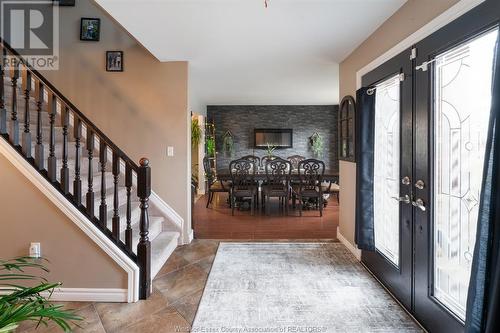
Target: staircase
92, 173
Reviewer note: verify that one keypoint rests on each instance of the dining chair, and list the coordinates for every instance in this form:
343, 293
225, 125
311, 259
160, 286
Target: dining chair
278, 174
310, 172
331, 188
214, 185
266, 159
253, 158
295, 159
243, 182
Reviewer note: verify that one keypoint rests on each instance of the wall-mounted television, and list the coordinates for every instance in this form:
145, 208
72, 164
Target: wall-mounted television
276, 137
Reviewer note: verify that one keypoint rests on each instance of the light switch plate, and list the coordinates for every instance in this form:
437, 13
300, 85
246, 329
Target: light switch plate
35, 250
170, 151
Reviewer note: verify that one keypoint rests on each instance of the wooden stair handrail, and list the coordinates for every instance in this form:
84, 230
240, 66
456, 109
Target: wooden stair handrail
73, 108
143, 171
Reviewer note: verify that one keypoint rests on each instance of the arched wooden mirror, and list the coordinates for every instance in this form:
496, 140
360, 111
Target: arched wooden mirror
347, 115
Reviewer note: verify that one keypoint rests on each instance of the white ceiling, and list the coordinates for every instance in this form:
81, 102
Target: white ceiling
239, 52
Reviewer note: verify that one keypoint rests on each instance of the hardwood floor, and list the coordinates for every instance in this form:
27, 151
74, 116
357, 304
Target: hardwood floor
216, 222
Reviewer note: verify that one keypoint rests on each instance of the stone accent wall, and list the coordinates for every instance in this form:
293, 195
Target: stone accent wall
241, 120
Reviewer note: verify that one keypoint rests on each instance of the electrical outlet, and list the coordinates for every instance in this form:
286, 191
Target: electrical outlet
35, 250
170, 151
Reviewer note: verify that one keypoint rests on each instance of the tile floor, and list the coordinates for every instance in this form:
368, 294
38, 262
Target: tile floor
177, 290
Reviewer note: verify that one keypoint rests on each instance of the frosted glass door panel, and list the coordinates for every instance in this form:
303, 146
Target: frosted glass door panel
386, 168
462, 82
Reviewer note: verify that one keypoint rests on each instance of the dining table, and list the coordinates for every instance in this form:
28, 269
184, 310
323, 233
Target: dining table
331, 176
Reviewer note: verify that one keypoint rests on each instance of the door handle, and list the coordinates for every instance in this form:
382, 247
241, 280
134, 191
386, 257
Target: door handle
419, 203
420, 184
405, 199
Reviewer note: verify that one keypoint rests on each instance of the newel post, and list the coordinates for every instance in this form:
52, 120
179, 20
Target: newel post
144, 246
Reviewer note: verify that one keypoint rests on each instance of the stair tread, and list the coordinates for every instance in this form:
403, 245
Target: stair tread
155, 228
161, 249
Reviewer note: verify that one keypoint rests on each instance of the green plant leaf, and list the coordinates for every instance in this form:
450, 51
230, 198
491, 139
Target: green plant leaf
30, 303
196, 132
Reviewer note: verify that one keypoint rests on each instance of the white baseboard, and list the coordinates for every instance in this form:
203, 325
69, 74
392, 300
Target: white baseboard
355, 251
90, 295
85, 295
167, 210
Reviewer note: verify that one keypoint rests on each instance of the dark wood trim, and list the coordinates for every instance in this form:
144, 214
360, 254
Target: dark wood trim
90, 178
128, 185
65, 169
14, 124
347, 100
52, 160
77, 182
26, 134
144, 246
116, 203
39, 153
103, 207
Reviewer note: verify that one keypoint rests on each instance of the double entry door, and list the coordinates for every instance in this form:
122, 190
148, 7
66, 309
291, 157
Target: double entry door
432, 107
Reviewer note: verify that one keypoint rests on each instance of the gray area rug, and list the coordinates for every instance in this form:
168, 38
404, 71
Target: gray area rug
295, 287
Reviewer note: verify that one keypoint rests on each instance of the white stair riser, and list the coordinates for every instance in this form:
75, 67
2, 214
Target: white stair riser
155, 229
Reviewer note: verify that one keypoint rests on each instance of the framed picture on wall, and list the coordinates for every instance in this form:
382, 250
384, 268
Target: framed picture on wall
114, 61
90, 29
347, 144
65, 3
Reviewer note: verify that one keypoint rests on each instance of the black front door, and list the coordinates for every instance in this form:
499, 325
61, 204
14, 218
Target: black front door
453, 77
392, 260
425, 242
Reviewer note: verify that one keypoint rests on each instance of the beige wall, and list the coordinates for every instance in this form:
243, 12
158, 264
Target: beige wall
142, 110
28, 216
409, 18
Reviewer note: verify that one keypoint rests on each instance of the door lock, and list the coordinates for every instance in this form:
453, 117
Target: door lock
419, 203
420, 184
406, 180
405, 199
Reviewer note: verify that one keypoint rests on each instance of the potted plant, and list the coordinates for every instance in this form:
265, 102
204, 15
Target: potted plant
228, 144
29, 303
195, 132
317, 144
270, 150
210, 144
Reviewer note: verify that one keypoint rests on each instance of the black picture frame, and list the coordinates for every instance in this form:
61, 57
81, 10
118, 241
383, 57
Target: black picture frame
282, 131
65, 3
111, 64
92, 34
